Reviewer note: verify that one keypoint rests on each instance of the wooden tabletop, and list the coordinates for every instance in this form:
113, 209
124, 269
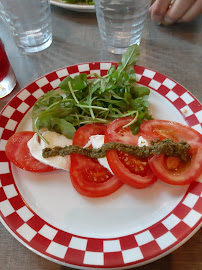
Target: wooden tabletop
175, 51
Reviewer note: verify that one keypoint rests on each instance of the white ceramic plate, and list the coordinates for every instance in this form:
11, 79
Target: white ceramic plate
125, 229
74, 7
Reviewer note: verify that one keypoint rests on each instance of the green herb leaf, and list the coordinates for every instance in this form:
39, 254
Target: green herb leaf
79, 82
63, 127
140, 91
129, 58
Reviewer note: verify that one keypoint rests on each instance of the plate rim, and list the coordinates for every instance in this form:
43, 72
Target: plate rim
73, 7
195, 228
124, 267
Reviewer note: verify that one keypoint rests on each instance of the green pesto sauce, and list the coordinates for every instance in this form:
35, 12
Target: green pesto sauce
166, 147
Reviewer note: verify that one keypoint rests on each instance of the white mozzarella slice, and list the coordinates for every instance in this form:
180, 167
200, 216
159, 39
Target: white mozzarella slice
97, 141
142, 142
54, 139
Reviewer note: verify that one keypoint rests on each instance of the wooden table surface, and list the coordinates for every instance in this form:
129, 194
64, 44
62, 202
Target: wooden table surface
175, 51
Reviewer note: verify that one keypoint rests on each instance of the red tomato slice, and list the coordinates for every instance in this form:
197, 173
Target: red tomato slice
171, 169
130, 170
88, 177
18, 153
181, 173
161, 129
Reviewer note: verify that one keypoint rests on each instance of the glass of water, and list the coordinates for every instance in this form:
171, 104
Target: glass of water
121, 22
29, 22
7, 76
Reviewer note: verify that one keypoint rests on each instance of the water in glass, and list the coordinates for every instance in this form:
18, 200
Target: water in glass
30, 24
121, 22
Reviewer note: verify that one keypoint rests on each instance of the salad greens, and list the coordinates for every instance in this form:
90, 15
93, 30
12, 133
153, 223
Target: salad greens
87, 2
94, 99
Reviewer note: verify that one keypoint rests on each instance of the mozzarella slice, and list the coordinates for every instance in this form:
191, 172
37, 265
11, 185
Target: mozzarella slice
142, 142
54, 139
97, 141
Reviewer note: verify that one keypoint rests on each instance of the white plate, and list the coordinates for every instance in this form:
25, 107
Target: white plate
74, 7
125, 229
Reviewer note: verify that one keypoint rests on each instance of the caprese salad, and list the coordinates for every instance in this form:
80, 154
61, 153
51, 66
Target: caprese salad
97, 177
100, 130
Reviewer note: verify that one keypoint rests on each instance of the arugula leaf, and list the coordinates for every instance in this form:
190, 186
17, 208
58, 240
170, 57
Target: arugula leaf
79, 82
135, 127
129, 58
94, 99
63, 127
140, 91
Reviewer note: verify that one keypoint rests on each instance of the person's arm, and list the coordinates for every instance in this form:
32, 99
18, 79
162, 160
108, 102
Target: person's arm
175, 11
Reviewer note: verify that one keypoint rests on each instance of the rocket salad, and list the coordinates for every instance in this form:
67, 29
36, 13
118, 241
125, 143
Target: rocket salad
91, 98
87, 2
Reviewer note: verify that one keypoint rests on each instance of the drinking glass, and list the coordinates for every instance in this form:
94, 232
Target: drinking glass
29, 22
121, 22
7, 76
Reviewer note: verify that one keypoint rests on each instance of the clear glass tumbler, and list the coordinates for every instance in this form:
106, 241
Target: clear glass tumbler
29, 22
121, 22
7, 76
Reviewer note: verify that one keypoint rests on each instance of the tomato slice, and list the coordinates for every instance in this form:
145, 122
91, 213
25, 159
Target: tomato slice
130, 170
18, 153
171, 169
88, 177
161, 129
